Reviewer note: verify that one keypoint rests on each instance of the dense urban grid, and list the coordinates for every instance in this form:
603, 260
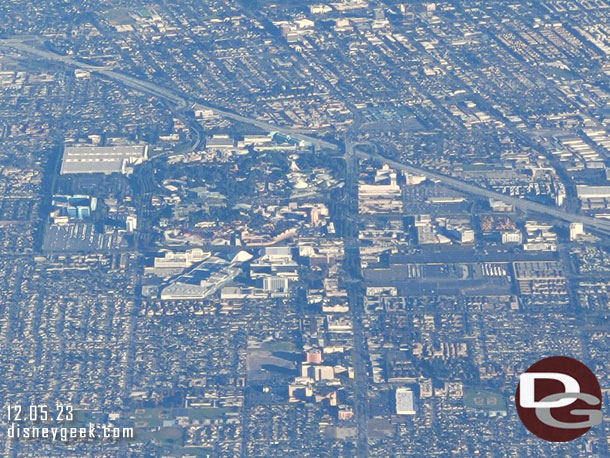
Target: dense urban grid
287, 228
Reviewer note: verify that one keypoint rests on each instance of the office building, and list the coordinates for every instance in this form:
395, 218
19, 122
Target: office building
404, 402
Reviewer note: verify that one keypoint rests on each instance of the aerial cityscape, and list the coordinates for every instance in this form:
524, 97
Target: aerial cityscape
262, 228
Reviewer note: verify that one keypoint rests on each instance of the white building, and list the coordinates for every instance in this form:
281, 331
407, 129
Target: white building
220, 141
512, 237
102, 159
384, 184
181, 260
275, 284
205, 279
319, 9
132, 223
576, 230
404, 402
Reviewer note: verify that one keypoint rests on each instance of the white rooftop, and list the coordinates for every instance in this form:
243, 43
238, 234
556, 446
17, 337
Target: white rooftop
404, 402
102, 159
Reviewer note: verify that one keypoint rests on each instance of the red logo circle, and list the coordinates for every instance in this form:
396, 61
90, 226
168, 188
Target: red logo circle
559, 399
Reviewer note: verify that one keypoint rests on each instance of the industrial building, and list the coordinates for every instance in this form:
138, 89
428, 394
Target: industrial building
102, 159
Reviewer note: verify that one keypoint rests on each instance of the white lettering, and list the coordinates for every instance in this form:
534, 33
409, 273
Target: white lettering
527, 389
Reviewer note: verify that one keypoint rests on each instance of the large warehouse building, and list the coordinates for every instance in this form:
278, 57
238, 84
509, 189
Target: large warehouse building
102, 159
585, 191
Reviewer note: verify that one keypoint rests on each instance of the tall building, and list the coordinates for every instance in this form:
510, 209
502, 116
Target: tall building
576, 230
404, 402
275, 262
102, 159
275, 284
132, 223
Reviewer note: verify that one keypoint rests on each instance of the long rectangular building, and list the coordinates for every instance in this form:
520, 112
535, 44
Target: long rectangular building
584, 191
102, 159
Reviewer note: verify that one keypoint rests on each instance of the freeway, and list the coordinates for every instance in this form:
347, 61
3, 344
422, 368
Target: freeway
180, 100
522, 204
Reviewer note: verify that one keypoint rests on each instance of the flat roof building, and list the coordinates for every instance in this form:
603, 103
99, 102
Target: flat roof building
220, 141
404, 402
585, 191
102, 159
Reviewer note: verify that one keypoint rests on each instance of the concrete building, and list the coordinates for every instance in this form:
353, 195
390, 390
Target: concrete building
339, 324
404, 402
102, 159
205, 279
131, 223
540, 278
73, 207
220, 141
275, 262
576, 230
512, 237
275, 284
500, 207
384, 184
181, 260
314, 356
